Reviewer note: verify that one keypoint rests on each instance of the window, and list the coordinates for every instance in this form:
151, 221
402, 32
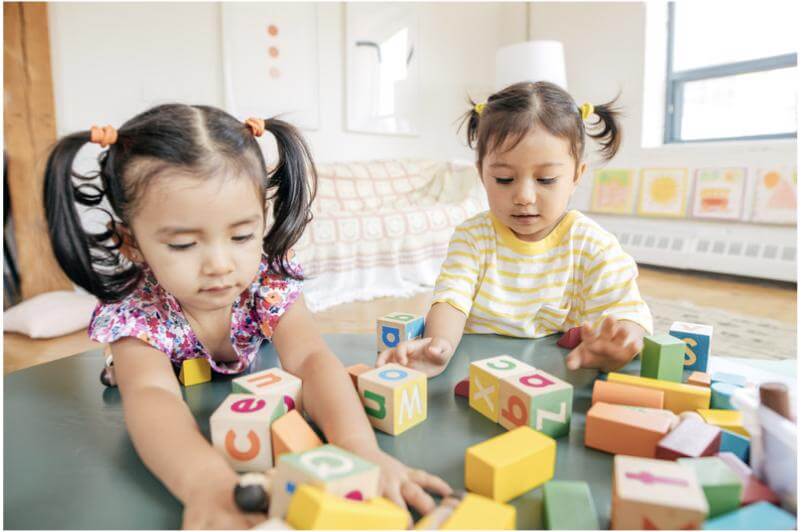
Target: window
731, 71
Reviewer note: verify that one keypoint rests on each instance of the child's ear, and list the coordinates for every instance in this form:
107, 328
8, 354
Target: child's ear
581, 171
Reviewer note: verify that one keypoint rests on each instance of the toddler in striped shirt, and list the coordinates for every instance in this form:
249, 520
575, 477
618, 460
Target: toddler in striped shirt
528, 267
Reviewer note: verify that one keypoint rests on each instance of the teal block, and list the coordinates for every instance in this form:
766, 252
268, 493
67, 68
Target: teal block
568, 505
722, 487
730, 378
663, 358
758, 516
731, 442
721, 395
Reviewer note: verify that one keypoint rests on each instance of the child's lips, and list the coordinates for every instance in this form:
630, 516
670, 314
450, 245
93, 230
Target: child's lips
526, 218
217, 289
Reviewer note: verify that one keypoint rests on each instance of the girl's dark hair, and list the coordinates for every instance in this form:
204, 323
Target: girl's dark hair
199, 140
511, 113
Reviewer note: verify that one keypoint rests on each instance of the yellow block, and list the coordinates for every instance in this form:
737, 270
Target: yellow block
725, 419
510, 464
314, 509
195, 371
479, 513
677, 397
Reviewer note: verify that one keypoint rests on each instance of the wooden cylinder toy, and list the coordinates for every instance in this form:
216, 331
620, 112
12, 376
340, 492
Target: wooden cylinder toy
624, 394
721, 395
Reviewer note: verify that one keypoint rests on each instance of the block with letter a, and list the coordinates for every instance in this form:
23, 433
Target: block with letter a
538, 399
484, 382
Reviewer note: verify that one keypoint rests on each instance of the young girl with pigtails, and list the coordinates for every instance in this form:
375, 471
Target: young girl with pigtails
529, 267
191, 265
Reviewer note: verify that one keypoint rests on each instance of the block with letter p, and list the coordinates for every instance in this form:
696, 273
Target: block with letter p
537, 399
484, 382
241, 430
394, 397
398, 327
272, 381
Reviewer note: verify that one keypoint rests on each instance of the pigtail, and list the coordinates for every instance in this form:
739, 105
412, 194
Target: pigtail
609, 132
472, 120
90, 260
293, 196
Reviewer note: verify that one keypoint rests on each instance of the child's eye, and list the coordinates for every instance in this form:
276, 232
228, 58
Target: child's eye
547, 180
180, 247
504, 180
243, 238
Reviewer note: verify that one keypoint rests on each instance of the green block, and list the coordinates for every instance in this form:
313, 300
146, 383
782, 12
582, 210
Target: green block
568, 505
721, 486
663, 357
758, 516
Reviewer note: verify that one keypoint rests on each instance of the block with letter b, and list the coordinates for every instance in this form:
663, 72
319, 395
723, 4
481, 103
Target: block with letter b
537, 399
394, 397
241, 430
272, 381
484, 382
699, 343
398, 327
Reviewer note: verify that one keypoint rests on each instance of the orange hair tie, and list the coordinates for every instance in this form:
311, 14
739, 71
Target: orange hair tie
256, 125
104, 136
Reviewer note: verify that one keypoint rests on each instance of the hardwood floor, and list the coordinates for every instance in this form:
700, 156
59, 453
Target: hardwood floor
740, 296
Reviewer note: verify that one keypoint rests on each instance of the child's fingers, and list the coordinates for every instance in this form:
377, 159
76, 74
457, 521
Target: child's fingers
621, 336
587, 332
609, 325
416, 497
384, 358
438, 350
394, 494
430, 482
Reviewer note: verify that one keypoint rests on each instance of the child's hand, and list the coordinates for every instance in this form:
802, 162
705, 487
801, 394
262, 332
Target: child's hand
428, 355
212, 507
616, 344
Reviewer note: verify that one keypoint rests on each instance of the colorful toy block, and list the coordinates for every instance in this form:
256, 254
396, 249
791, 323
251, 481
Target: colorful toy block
671, 417
436, 518
721, 395
618, 429
698, 340
725, 419
328, 467
663, 358
480, 513
312, 508
570, 339
394, 397
616, 393
291, 434
753, 489
655, 494
398, 327
699, 378
690, 439
721, 486
356, 370
510, 464
568, 505
273, 381
735, 443
462, 388
241, 430
484, 382
195, 371
729, 378
537, 399
757, 516
677, 397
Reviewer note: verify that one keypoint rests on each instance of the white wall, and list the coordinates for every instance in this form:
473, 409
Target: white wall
111, 61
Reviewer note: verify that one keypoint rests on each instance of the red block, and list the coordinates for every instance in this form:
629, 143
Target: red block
753, 489
690, 439
570, 339
462, 388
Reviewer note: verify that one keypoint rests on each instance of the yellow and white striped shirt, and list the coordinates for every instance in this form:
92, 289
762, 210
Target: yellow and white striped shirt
508, 286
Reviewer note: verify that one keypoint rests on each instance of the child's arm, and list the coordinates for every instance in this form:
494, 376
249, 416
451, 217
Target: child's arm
609, 349
331, 401
430, 354
168, 441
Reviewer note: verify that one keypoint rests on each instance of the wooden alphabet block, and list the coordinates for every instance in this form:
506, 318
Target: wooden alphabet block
241, 430
480, 513
462, 388
537, 399
677, 397
312, 508
671, 417
721, 395
757, 516
753, 489
729, 378
195, 371
356, 370
273, 381
721, 486
698, 340
398, 327
618, 429
616, 393
663, 358
291, 434
568, 505
699, 378
725, 419
328, 467
484, 382
690, 439
510, 464
731, 442
394, 397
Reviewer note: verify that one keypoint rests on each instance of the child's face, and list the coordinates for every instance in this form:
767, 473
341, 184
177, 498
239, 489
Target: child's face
529, 186
201, 237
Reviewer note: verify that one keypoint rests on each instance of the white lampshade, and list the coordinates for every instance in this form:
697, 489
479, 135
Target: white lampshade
531, 61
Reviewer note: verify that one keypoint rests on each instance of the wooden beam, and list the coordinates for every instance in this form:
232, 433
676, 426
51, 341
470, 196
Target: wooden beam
30, 129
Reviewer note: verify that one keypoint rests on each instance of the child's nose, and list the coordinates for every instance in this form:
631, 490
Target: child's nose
525, 193
217, 262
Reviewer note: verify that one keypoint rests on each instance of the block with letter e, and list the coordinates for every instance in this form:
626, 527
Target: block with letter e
537, 399
273, 381
484, 382
398, 327
394, 397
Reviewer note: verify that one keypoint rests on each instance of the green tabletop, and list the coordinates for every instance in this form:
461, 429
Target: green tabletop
69, 463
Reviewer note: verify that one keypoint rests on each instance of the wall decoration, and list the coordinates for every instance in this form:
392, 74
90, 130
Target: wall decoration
613, 191
775, 196
719, 193
270, 61
663, 192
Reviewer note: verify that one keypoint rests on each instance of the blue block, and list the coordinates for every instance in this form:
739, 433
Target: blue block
731, 442
415, 328
699, 341
758, 516
730, 378
721, 395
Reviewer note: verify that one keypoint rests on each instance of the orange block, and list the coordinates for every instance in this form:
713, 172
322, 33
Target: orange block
619, 429
291, 434
624, 394
699, 378
355, 370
